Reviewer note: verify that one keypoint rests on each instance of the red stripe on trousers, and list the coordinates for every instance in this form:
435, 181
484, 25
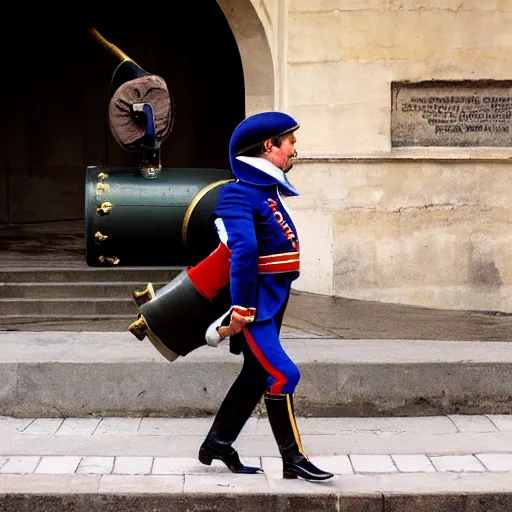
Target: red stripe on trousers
281, 380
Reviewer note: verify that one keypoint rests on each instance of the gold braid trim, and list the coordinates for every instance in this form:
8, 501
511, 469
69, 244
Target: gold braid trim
294, 427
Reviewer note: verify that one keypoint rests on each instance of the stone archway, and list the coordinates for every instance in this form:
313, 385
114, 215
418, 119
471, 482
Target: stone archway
55, 122
247, 21
218, 63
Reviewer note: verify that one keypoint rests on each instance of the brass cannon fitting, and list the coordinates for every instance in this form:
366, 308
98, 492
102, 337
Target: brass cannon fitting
142, 296
138, 328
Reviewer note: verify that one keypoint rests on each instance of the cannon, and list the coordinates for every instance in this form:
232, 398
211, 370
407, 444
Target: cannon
131, 220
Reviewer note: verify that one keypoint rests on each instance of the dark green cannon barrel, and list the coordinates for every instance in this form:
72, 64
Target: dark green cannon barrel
166, 220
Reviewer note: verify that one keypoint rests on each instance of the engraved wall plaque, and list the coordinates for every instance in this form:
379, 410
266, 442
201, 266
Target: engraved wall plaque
440, 113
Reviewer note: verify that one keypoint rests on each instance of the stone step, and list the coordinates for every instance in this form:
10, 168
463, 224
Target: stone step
63, 299
68, 306
446, 492
83, 289
47, 275
66, 323
58, 374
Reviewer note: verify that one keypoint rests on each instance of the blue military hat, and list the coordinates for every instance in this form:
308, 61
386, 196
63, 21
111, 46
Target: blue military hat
259, 127
253, 131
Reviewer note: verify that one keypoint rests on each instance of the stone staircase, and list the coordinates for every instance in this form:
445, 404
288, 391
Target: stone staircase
74, 299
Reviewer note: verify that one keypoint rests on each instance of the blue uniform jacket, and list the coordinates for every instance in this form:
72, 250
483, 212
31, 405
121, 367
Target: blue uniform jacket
256, 226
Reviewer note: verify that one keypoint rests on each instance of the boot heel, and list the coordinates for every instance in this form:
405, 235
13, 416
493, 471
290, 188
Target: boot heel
204, 457
289, 475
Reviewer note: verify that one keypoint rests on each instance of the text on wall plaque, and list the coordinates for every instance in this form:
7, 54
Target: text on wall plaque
461, 114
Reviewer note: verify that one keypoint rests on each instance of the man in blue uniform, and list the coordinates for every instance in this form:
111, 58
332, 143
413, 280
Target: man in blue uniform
259, 237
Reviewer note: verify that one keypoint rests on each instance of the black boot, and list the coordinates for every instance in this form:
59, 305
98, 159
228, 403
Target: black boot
233, 413
282, 420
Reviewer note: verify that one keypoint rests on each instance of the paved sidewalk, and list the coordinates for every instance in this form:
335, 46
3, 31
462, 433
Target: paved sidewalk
428, 458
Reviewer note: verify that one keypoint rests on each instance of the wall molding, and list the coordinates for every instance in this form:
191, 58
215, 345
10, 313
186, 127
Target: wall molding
470, 155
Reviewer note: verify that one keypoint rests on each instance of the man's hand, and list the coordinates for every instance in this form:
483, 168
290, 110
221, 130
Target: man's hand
236, 325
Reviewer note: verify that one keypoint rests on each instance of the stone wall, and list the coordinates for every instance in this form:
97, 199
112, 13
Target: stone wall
426, 226
343, 55
432, 233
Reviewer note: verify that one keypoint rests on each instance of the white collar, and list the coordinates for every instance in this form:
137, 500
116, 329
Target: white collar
265, 166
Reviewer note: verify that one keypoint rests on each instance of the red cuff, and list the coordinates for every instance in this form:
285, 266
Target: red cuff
248, 313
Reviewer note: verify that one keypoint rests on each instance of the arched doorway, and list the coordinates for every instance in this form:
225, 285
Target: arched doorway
55, 121
215, 60
251, 26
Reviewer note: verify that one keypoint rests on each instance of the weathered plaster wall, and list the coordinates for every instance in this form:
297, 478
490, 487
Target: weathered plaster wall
436, 234
421, 226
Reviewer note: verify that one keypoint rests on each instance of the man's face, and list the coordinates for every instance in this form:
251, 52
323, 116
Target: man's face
282, 156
